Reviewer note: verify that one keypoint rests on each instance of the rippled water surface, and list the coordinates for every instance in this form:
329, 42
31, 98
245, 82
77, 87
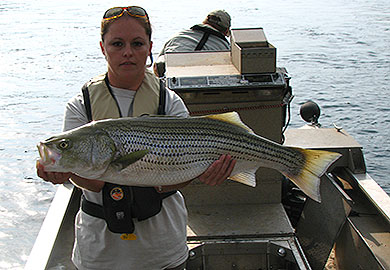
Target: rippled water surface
337, 53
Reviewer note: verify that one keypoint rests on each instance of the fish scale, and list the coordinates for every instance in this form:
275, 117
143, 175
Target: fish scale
154, 151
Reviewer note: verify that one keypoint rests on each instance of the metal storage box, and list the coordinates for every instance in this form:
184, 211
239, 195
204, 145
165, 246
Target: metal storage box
251, 52
260, 99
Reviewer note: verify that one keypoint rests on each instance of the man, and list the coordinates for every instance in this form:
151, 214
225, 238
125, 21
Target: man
208, 36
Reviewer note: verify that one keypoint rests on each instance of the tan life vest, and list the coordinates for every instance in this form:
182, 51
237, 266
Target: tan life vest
104, 106
137, 202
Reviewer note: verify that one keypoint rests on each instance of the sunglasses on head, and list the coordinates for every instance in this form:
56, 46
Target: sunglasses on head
117, 12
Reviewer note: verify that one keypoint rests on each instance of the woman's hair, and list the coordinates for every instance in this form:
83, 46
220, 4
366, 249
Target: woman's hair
105, 25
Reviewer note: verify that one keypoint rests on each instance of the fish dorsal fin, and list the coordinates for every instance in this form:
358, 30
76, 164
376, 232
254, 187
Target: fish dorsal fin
231, 118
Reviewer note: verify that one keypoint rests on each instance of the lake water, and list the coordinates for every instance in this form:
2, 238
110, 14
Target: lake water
336, 51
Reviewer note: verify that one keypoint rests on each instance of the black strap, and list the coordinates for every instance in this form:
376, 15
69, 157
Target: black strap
202, 42
91, 208
213, 32
87, 102
112, 94
162, 99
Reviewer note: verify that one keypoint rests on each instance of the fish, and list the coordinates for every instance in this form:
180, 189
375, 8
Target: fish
168, 150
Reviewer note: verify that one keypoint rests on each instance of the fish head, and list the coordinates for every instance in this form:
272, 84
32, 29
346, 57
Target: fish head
85, 151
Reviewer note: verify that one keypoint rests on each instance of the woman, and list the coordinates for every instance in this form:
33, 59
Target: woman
129, 89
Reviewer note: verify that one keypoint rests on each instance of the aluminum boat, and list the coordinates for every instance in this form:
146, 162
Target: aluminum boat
272, 226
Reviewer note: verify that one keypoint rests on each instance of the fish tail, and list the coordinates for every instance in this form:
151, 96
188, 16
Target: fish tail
316, 164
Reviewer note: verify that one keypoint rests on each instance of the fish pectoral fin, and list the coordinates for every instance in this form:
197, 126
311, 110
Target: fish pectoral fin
247, 178
124, 161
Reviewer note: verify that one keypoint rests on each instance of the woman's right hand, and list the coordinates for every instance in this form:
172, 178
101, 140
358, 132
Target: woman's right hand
60, 178
53, 177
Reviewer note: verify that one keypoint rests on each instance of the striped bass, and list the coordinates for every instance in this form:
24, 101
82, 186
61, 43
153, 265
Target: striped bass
166, 150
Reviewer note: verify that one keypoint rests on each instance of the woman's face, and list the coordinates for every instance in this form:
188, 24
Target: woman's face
126, 47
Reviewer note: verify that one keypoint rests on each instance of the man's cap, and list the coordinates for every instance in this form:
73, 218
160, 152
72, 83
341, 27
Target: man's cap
220, 18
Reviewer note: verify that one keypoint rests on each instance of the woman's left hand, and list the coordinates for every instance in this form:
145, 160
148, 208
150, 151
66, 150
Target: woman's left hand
219, 171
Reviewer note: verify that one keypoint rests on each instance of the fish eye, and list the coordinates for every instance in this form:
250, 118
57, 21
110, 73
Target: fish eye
63, 144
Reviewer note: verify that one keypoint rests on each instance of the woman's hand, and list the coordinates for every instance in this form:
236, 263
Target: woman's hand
53, 177
219, 171
60, 178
